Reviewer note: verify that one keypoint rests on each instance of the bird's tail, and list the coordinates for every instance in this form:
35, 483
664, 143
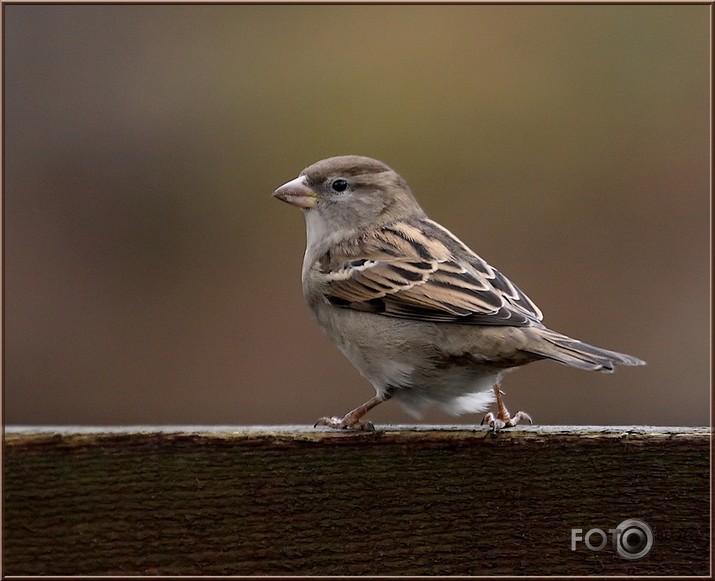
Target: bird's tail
575, 353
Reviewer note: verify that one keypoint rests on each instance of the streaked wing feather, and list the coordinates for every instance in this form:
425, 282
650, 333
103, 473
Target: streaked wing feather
420, 271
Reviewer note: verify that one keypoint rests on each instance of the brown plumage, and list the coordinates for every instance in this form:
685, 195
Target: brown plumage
417, 312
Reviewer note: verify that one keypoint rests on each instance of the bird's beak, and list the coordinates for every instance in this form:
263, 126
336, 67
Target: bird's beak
297, 193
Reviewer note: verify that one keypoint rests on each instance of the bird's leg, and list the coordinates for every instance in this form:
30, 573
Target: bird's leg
353, 419
503, 419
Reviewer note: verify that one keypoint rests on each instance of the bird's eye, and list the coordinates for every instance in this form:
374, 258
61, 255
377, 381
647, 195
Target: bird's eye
339, 185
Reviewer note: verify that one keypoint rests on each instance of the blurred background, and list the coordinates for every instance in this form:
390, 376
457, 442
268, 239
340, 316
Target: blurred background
150, 278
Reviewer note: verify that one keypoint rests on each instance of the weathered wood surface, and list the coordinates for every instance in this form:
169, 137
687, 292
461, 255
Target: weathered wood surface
438, 500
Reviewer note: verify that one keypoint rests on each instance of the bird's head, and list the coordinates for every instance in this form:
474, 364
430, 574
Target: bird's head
350, 192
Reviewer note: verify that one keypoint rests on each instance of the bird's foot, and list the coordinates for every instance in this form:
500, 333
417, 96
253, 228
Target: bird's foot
353, 420
503, 419
349, 422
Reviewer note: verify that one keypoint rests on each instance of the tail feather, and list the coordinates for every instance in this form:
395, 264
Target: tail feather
578, 354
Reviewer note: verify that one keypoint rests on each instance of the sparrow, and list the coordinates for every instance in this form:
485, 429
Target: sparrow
419, 314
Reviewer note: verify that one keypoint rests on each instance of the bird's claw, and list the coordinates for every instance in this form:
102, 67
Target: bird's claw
346, 423
497, 423
503, 419
492, 421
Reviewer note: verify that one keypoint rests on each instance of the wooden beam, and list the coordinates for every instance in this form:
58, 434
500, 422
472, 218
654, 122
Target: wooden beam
432, 500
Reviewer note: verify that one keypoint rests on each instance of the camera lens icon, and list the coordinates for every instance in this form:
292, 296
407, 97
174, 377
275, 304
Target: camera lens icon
632, 539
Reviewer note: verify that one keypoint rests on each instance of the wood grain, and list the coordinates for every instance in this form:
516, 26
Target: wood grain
435, 500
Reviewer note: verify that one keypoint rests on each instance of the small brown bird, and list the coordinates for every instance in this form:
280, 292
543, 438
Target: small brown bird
419, 314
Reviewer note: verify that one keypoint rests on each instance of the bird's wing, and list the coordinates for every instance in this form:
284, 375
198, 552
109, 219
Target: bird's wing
419, 270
